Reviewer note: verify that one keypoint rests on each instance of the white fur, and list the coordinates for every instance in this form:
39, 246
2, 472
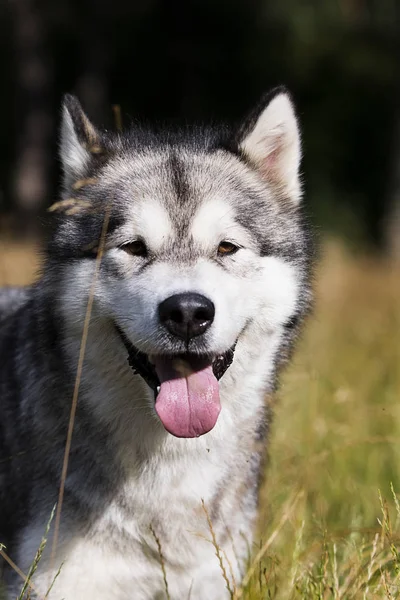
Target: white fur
273, 145
148, 220
214, 222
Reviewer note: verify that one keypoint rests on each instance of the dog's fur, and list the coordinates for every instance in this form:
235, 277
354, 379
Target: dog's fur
129, 480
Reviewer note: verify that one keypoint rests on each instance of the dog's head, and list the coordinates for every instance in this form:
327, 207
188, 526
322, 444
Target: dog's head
202, 239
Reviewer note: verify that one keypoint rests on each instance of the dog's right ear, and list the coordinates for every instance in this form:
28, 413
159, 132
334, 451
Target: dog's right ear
80, 141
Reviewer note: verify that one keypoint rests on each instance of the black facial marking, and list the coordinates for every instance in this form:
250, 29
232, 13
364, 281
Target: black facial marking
78, 236
265, 223
178, 178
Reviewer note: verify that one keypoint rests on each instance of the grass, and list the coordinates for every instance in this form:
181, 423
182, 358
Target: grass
336, 441
329, 522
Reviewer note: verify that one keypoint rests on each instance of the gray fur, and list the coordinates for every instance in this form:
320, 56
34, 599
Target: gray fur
126, 473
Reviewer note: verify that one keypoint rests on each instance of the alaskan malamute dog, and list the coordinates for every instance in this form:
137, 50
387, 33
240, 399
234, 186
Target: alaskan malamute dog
196, 297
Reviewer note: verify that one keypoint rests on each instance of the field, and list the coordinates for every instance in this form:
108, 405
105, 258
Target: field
329, 516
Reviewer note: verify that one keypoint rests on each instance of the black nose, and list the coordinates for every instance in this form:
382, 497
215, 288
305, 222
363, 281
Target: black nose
186, 315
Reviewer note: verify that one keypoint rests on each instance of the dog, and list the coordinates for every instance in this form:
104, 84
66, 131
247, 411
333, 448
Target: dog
177, 275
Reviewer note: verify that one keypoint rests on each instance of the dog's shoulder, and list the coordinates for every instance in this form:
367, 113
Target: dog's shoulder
12, 299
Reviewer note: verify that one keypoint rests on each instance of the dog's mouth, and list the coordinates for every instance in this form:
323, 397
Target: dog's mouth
185, 387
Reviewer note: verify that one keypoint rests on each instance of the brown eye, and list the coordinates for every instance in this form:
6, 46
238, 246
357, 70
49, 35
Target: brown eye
137, 248
227, 248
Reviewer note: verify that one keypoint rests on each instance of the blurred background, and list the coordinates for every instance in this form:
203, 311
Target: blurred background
212, 59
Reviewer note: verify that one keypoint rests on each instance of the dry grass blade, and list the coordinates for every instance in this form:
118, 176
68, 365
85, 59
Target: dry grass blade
335, 575
15, 567
231, 573
70, 206
77, 383
162, 562
28, 585
371, 565
83, 183
117, 116
96, 149
62, 204
287, 512
54, 580
396, 501
37, 558
386, 586
217, 549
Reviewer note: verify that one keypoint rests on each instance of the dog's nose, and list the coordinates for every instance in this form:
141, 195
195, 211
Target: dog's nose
186, 315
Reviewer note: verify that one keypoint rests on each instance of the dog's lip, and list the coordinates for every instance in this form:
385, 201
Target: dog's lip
144, 364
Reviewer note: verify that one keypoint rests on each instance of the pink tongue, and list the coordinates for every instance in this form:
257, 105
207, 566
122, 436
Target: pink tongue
188, 401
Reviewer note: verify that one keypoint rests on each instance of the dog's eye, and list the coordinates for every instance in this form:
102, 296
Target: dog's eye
227, 248
137, 248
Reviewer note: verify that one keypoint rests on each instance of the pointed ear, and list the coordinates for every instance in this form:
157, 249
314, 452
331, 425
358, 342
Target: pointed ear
270, 141
80, 141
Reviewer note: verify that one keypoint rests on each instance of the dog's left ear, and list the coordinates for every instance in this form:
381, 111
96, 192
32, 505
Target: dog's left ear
80, 141
270, 141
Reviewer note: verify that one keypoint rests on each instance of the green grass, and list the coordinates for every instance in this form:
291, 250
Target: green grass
336, 443
329, 526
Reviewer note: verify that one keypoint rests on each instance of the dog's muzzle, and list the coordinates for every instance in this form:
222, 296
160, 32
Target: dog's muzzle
140, 364
186, 388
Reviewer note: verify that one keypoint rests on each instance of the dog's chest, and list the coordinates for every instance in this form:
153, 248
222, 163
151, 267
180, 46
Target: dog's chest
157, 509
163, 499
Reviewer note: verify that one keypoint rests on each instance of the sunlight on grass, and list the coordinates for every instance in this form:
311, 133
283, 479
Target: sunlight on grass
329, 520
336, 438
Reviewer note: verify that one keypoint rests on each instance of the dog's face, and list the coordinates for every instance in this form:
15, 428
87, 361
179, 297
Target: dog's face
204, 239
